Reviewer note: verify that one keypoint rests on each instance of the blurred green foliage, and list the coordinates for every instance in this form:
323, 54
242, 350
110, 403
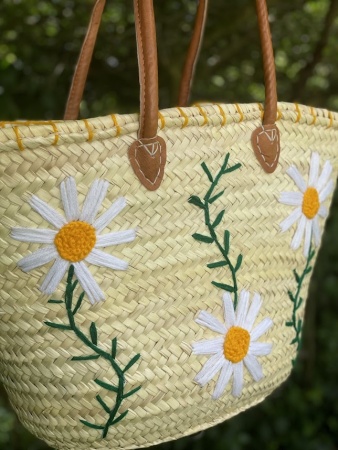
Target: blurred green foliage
39, 44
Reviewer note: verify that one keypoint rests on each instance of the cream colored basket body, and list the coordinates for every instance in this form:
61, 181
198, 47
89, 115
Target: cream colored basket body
151, 308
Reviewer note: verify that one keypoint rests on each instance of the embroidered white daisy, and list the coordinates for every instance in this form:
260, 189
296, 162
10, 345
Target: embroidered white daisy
235, 347
76, 239
308, 202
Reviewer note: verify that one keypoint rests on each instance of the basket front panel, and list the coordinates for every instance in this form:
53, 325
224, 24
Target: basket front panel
151, 307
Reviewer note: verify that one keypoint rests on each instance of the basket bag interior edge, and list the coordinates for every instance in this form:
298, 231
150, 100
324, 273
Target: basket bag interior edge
154, 268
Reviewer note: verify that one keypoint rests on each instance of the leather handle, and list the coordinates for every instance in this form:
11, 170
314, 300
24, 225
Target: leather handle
193, 52
81, 71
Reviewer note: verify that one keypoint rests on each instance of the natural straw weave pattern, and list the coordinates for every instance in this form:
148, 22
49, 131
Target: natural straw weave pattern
152, 306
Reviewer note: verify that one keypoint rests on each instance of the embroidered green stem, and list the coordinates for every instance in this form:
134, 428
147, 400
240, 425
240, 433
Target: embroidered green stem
92, 343
204, 204
297, 301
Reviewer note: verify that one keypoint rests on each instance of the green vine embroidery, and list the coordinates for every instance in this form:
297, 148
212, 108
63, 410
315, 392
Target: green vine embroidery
297, 301
224, 248
92, 343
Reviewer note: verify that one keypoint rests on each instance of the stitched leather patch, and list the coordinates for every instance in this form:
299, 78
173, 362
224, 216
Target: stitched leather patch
148, 158
265, 141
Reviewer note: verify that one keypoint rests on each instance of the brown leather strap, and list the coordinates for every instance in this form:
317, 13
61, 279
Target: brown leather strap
270, 109
265, 139
82, 67
147, 63
193, 52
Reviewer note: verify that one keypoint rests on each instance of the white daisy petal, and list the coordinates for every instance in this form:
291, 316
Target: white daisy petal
326, 191
110, 214
39, 258
210, 369
242, 308
298, 236
261, 328
294, 173
237, 385
260, 348
229, 312
291, 219
93, 201
115, 238
322, 212
324, 177
208, 347
45, 211
100, 258
255, 306
69, 199
88, 282
291, 198
314, 169
316, 231
37, 235
253, 367
54, 276
207, 320
223, 380
308, 233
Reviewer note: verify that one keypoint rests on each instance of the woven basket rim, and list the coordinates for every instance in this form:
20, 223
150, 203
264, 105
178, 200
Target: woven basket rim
29, 134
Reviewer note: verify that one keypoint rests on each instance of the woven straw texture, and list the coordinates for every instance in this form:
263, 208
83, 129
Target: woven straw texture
152, 306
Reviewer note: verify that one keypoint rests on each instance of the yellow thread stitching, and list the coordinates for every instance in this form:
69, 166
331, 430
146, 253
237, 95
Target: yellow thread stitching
118, 128
299, 114
205, 117
56, 133
185, 117
260, 106
18, 138
279, 114
162, 120
240, 112
224, 117
89, 129
313, 115
331, 119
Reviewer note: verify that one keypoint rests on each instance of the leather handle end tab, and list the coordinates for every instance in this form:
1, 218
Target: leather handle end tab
148, 158
265, 142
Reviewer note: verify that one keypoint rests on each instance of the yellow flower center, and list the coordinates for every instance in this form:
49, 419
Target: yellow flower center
311, 203
75, 241
236, 344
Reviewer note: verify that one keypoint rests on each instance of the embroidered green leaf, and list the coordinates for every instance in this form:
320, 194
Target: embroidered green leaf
216, 197
297, 277
294, 340
113, 348
217, 264
225, 163
299, 304
93, 333
308, 270
85, 358
291, 297
78, 304
226, 241
122, 416
55, 301
299, 325
289, 324
207, 171
223, 286
103, 404
231, 169
239, 262
105, 385
92, 343
202, 238
133, 391
194, 200
60, 326
218, 219
92, 425
74, 285
132, 362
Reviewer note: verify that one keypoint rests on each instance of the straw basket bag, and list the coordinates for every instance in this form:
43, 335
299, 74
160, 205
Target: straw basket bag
154, 267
